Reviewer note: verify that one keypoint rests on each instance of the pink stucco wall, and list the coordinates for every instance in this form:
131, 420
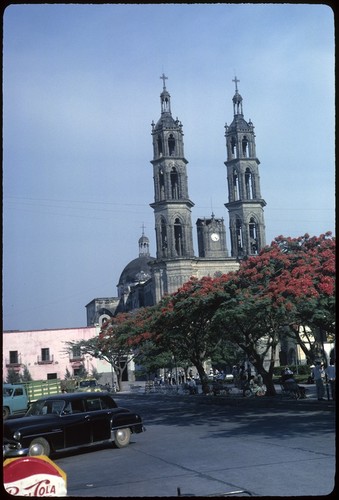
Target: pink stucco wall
28, 344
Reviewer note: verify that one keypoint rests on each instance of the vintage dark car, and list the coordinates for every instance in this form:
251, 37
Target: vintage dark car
69, 421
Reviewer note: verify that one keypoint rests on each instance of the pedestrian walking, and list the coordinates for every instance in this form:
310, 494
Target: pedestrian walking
319, 375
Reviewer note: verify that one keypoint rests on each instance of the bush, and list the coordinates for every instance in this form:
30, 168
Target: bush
302, 370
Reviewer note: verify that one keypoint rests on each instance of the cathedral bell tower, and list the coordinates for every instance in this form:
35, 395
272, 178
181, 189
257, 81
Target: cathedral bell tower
245, 204
172, 206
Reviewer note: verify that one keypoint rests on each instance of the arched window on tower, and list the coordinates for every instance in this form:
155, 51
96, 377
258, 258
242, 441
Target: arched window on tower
161, 184
171, 145
163, 236
159, 142
248, 184
253, 236
244, 146
233, 147
174, 184
235, 185
165, 105
178, 241
239, 237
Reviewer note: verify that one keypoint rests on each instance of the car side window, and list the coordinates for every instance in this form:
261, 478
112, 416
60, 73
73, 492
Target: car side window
77, 406
57, 407
44, 410
93, 404
107, 402
68, 409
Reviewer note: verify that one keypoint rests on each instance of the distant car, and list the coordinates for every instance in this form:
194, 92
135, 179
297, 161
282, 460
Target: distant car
69, 421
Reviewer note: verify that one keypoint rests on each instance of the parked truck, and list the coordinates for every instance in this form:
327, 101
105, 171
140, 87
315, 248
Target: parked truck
16, 398
80, 384
87, 385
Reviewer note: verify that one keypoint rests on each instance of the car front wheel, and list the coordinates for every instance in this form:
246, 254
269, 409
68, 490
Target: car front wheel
122, 437
39, 446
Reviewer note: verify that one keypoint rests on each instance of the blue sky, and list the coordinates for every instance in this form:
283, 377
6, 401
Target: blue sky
80, 89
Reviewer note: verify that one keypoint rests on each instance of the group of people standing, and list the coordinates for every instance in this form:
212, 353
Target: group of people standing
321, 375
243, 378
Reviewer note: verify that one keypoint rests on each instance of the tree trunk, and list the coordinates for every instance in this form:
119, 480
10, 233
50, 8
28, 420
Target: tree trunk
268, 381
203, 378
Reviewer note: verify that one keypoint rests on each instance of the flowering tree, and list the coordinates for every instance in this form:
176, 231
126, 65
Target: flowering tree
306, 287
183, 323
291, 282
111, 344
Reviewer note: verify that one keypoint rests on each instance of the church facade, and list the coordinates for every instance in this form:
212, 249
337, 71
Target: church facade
145, 280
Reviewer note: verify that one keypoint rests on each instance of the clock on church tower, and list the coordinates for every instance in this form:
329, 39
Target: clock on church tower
211, 237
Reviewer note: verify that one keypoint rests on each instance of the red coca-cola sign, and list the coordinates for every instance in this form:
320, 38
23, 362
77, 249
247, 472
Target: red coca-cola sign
34, 477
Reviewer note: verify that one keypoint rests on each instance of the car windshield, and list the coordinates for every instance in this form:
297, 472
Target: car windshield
46, 407
7, 391
87, 383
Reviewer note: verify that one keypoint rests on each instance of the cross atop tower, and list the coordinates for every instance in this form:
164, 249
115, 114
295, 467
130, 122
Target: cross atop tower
163, 78
236, 81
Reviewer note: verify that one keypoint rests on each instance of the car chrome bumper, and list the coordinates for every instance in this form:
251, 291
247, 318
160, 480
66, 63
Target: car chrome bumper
13, 450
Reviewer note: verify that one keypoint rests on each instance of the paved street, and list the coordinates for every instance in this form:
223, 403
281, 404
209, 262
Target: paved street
205, 445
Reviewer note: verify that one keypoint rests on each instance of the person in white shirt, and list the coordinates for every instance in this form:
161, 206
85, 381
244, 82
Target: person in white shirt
330, 372
319, 375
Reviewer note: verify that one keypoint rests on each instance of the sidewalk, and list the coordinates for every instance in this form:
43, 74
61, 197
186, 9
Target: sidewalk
235, 395
169, 390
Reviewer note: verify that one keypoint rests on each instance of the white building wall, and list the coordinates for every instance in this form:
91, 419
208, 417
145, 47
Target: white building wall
29, 344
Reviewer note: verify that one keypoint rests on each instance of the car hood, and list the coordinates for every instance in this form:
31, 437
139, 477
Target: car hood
11, 425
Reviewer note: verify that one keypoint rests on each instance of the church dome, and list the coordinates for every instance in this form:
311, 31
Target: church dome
239, 124
166, 121
138, 270
143, 240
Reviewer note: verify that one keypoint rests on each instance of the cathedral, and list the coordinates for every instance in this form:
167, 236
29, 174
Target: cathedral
145, 280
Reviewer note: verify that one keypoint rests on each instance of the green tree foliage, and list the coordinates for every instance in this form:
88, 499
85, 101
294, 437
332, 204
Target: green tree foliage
144, 342
183, 323
82, 372
26, 376
119, 341
248, 319
13, 377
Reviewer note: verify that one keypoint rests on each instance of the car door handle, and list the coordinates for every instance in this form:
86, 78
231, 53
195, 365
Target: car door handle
87, 417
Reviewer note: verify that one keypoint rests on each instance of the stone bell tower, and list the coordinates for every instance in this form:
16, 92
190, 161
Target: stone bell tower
172, 206
245, 203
